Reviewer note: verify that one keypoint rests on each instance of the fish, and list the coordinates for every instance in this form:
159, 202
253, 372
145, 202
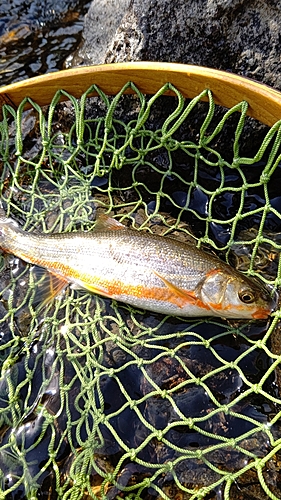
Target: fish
148, 271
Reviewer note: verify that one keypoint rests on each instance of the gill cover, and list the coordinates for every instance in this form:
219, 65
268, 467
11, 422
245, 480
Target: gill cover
213, 290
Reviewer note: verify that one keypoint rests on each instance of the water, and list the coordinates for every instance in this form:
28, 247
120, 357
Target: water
36, 37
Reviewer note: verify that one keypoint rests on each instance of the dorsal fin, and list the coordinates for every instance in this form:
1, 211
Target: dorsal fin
105, 222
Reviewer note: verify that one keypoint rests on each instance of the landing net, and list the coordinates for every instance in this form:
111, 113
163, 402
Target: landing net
100, 400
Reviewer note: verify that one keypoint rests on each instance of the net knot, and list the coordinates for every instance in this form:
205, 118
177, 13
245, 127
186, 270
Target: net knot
169, 142
169, 467
232, 443
203, 141
190, 422
146, 482
109, 477
52, 455
159, 435
251, 272
259, 463
224, 409
235, 163
264, 178
277, 313
49, 418
259, 344
256, 388
231, 477
101, 416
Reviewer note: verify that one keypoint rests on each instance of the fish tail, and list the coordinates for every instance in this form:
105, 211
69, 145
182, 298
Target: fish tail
8, 228
2, 211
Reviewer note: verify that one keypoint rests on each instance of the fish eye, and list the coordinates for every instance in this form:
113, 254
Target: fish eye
246, 296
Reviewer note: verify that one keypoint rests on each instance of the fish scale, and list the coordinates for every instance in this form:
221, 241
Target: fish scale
149, 271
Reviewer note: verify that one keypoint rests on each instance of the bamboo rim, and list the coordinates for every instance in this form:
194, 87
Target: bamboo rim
228, 89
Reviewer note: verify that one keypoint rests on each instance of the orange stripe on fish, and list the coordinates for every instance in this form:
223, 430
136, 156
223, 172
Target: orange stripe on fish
113, 290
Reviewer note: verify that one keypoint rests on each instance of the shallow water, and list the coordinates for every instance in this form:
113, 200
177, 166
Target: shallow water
36, 37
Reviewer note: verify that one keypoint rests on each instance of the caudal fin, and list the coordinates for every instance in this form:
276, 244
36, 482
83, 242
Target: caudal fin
2, 211
8, 228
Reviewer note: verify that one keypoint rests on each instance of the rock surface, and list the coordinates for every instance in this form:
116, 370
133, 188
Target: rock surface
101, 23
241, 36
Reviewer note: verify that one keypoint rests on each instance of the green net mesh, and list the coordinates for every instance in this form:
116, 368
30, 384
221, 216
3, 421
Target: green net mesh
100, 400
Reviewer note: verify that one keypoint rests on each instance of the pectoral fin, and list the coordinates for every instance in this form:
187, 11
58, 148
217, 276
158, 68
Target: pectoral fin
178, 292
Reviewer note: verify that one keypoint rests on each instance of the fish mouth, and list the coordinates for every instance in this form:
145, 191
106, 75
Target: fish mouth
261, 314
271, 306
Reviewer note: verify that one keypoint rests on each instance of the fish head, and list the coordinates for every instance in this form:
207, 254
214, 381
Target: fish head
233, 295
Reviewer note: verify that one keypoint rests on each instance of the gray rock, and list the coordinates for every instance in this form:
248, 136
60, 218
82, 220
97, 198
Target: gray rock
236, 35
101, 23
